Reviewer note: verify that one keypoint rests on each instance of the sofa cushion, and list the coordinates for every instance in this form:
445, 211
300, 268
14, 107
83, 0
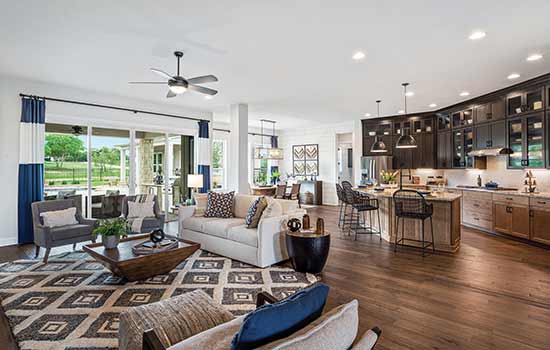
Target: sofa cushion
241, 204
220, 205
219, 227
201, 201
279, 320
196, 223
62, 233
244, 235
140, 210
173, 319
217, 338
335, 330
255, 212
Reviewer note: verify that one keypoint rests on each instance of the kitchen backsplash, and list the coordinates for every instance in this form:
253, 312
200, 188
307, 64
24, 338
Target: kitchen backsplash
496, 171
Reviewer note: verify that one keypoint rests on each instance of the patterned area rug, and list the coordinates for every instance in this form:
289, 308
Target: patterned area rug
73, 302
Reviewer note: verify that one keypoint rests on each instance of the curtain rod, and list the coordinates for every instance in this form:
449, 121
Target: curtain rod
112, 107
250, 133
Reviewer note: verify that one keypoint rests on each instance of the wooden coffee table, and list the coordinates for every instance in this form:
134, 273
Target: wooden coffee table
124, 263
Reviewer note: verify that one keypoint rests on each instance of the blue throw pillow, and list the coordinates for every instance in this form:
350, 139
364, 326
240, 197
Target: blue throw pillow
276, 321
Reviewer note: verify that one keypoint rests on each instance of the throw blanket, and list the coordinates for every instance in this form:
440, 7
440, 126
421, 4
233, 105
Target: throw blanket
137, 223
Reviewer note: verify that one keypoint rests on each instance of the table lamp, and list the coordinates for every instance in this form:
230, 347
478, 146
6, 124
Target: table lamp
194, 182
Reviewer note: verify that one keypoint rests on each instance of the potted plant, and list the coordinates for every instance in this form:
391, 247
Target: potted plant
111, 231
388, 177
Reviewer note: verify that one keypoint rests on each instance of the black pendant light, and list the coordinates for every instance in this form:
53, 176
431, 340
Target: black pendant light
406, 140
378, 146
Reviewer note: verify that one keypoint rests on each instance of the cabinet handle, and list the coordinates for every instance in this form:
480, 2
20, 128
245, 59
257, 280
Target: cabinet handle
476, 205
540, 202
531, 213
509, 198
490, 142
489, 116
476, 219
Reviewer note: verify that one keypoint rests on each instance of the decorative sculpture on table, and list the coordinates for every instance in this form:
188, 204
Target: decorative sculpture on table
156, 237
294, 225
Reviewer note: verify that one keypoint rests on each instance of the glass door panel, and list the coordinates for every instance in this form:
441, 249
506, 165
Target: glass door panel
515, 141
458, 149
514, 105
534, 100
468, 147
535, 142
110, 171
468, 117
66, 163
150, 151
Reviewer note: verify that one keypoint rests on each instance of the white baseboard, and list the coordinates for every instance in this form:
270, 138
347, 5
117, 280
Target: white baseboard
8, 241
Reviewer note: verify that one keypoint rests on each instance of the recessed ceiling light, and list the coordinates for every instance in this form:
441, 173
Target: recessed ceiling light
409, 94
534, 57
401, 111
477, 35
358, 56
367, 114
432, 105
464, 93
208, 97
513, 76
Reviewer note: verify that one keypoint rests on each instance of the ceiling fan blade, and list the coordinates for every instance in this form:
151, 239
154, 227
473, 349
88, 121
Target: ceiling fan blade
161, 73
171, 94
202, 79
202, 89
147, 82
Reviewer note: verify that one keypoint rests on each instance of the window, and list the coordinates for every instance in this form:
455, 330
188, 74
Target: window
218, 164
157, 163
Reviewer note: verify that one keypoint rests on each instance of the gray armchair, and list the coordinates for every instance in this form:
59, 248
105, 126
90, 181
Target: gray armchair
50, 237
148, 224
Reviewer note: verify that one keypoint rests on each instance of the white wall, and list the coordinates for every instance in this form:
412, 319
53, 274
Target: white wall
10, 112
325, 137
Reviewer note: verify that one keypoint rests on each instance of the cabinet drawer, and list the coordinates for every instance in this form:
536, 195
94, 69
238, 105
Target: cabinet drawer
482, 207
510, 199
540, 203
484, 196
474, 218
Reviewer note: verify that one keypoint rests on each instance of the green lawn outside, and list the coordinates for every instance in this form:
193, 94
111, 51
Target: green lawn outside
76, 173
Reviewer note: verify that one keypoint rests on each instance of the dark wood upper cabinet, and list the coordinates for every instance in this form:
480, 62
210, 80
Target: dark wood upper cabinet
443, 121
548, 97
463, 142
526, 137
462, 118
373, 129
444, 150
490, 111
527, 101
490, 135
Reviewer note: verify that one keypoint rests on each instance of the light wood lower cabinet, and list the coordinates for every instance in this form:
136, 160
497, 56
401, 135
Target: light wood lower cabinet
540, 225
511, 219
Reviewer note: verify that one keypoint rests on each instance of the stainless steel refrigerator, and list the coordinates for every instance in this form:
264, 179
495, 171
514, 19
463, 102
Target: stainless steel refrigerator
371, 167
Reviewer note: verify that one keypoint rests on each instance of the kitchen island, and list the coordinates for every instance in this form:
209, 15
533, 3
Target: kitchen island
446, 219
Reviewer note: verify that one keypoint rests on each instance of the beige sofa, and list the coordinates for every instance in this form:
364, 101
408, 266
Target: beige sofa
173, 324
262, 246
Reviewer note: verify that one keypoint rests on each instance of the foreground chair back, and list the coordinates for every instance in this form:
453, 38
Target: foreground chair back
280, 193
146, 224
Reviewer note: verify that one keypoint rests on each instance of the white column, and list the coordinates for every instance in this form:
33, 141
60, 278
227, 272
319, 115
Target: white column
122, 165
133, 166
357, 139
238, 171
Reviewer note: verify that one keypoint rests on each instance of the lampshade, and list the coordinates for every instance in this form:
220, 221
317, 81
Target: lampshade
275, 153
378, 146
406, 141
194, 180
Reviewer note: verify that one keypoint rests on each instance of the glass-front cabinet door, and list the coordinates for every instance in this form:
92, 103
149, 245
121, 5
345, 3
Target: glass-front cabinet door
535, 141
443, 122
515, 142
458, 149
468, 147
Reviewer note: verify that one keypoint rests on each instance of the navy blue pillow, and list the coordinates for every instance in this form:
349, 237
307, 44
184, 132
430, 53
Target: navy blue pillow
276, 321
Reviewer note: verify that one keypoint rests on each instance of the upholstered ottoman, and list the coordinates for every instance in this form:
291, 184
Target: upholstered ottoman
173, 319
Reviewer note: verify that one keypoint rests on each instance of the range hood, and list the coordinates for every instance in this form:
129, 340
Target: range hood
491, 152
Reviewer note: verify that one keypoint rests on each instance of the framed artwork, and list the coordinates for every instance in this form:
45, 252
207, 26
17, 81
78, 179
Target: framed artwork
305, 160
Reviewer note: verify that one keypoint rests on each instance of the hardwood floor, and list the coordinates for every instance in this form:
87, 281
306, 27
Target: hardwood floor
494, 293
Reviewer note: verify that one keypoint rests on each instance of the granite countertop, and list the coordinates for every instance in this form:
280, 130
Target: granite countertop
434, 197
545, 195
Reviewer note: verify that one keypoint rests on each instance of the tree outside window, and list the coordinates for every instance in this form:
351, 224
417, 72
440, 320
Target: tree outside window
218, 160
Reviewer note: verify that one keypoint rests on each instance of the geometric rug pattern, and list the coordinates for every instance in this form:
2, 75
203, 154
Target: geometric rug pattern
73, 302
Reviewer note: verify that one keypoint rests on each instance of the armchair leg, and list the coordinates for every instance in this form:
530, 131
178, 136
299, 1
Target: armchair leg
74, 246
37, 251
47, 255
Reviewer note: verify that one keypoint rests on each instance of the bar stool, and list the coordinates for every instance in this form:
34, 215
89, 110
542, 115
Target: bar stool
341, 203
411, 204
360, 203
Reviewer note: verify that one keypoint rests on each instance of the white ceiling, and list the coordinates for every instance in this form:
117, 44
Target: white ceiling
289, 60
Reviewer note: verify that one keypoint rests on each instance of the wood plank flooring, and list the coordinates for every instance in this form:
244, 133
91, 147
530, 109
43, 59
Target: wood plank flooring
494, 293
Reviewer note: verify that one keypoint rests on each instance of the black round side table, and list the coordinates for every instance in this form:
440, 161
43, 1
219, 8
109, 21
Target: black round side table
308, 251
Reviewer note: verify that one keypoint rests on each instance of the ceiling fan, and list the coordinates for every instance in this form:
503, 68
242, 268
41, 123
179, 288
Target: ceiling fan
178, 85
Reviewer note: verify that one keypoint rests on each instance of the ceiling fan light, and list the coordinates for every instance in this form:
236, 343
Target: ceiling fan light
178, 89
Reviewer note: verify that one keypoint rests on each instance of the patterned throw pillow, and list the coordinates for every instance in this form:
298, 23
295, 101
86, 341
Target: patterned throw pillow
255, 212
220, 205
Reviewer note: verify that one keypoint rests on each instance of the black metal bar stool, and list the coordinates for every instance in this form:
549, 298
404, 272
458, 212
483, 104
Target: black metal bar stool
411, 204
360, 203
341, 204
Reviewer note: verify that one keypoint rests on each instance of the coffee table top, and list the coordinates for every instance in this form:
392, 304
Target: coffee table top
124, 251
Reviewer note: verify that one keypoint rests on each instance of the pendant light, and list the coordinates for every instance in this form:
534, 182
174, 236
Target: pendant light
273, 152
406, 140
378, 146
